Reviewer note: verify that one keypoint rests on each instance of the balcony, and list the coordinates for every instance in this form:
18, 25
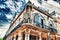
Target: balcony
19, 25
36, 24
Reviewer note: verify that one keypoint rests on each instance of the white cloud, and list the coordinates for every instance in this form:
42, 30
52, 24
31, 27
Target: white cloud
10, 4
3, 30
9, 16
2, 6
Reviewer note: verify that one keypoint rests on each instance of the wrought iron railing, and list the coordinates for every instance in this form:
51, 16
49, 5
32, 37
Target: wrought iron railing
37, 24
52, 30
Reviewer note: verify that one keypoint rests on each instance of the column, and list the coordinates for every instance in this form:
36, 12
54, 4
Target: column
11, 38
19, 36
57, 37
14, 37
49, 38
27, 34
36, 37
32, 17
40, 38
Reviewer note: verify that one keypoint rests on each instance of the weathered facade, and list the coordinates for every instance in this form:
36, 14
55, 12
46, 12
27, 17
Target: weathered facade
33, 23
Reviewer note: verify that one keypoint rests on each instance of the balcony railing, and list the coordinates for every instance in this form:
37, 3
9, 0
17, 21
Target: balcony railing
52, 30
35, 23
19, 25
42, 26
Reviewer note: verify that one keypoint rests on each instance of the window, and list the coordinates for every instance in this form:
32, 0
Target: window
29, 20
51, 23
41, 21
25, 20
36, 19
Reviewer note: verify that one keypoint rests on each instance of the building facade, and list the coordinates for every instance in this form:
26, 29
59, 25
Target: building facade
33, 23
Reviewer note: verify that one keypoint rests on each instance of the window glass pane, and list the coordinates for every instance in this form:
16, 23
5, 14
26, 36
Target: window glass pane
40, 17
36, 18
51, 23
41, 21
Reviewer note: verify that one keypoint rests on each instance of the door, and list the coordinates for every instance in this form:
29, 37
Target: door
42, 23
32, 37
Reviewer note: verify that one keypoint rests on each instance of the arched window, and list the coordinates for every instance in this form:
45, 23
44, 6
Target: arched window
41, 21
51, 23
36, 19
17, 37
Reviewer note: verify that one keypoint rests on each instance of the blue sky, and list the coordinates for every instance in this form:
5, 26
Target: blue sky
8, 8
